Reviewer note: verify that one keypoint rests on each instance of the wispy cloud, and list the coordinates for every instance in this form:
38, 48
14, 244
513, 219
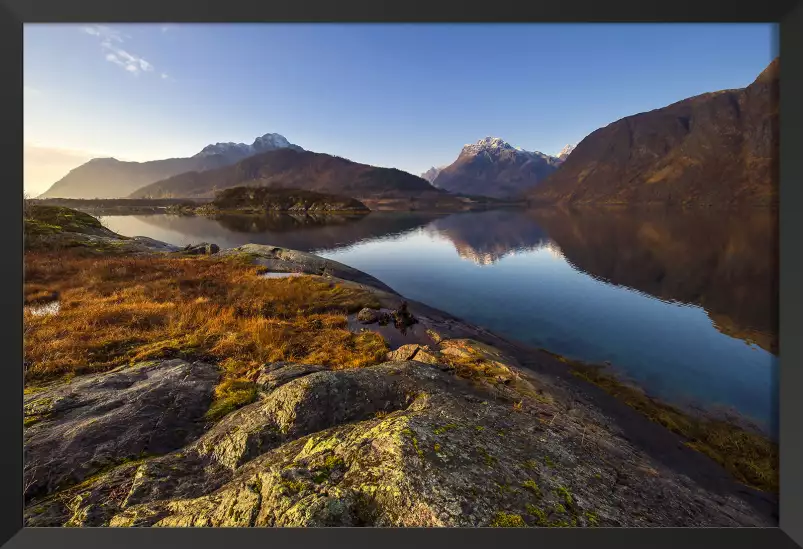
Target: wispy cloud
111, 39
106, 33
166, 28
30, 90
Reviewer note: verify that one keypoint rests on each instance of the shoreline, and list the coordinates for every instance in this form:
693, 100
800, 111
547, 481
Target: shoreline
533, 367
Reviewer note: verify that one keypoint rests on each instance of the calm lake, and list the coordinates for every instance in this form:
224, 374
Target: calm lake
683, 304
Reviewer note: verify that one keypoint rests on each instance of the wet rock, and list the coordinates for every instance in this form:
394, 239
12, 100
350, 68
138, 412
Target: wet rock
204, 248
78, 429
402, 318
368, 316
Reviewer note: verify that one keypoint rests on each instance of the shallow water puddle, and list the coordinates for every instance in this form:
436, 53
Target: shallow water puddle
395, 338
280, 275
51, 308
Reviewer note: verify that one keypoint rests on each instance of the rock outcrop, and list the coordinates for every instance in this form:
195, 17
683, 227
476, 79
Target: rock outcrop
397, 444
276, 259
77, 429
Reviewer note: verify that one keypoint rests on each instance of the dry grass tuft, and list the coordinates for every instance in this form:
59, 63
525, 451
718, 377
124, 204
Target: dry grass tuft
117, 310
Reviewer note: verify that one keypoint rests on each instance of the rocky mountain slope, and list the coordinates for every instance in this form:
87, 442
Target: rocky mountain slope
112, 178
492, 167
716, 149
288, 168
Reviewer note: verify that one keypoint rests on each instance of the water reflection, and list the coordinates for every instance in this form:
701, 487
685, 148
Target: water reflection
725, 262
670, 299
299, 232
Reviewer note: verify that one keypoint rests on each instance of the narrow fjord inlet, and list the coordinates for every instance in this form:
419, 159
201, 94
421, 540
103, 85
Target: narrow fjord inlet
303, 332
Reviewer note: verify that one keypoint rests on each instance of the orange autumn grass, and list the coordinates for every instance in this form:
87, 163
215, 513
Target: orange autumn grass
117, 310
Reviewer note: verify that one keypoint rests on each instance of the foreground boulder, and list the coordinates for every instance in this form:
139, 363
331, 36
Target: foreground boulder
397, 444
78, 429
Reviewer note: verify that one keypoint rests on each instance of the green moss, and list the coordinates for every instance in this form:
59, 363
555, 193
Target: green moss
591, 518
559, 508
229, 396
53, 219
177, 347
489, 459
479, 428
291, 485
256, 486
441, 430
330, 463
563, 492
548, 462
31, 420
437, 447
531, 464
563, 523
505, 488
103, 471
507, 520
532, 487
409, 433
537, 513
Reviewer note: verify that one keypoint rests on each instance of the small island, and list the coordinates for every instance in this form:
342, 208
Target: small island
260, 200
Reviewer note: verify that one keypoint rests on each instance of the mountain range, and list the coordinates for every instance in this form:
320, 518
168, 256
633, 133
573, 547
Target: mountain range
715, 149
492, 167
112, 178
293, 168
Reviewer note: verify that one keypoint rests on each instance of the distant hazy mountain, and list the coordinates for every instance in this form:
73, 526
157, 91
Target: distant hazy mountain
492, 167
431, 174
715, 149
112, 178
298, 169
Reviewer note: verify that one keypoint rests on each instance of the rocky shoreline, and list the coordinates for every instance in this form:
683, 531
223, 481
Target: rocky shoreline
456, 426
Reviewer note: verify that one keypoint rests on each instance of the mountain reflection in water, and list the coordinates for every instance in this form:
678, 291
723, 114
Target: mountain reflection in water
668, 297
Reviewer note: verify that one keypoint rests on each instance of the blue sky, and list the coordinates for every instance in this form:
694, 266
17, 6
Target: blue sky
406, 96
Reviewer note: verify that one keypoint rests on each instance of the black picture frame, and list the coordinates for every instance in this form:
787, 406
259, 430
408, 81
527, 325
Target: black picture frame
789, 15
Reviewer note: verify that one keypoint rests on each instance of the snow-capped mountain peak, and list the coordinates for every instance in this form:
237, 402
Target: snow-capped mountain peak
491, 144
566, 151
270, 141
267, 142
